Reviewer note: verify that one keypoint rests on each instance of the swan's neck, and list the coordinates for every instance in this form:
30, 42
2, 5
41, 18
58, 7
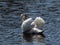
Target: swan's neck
23, 19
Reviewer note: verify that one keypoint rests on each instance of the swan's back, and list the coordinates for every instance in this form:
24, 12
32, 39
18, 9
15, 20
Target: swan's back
39, 22
26, 25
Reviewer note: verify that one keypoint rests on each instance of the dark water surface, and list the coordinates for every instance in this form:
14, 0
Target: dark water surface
10, 22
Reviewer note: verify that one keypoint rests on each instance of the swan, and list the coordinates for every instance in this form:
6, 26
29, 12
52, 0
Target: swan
31, 26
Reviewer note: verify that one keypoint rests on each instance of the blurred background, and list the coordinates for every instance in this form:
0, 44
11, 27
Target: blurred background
10, 32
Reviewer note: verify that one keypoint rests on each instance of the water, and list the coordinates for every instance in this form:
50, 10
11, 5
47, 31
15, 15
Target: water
10, 32
32, 39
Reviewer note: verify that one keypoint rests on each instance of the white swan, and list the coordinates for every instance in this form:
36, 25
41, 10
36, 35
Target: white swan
32, 26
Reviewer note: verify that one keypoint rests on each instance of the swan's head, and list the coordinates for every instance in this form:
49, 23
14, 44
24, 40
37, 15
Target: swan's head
23, 17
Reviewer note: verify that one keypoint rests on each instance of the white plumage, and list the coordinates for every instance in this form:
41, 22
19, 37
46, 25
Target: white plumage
39, 22
26, 25
31, 25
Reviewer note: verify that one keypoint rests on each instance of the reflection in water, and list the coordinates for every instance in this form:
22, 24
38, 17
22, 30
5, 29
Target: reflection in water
27, 37
33, 39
